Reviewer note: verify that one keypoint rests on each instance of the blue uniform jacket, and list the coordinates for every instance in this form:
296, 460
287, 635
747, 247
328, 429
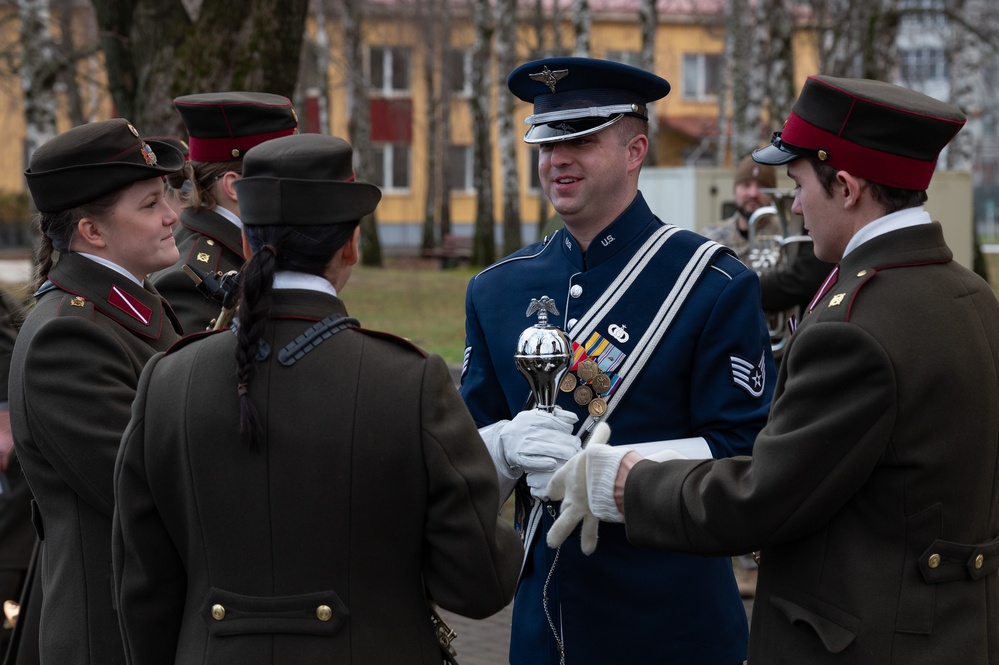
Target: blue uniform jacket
623, 604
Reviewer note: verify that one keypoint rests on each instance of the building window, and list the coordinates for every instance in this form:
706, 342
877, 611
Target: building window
633, 58
919, 65
701, 76
458, 71
390, 166
533, 157
459, 164
388, 69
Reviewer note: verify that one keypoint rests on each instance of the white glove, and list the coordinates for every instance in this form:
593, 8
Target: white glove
587, 483
569, 485
536, 443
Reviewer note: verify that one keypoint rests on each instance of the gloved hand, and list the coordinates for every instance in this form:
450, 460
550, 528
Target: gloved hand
569, 484
533, 442
587, 484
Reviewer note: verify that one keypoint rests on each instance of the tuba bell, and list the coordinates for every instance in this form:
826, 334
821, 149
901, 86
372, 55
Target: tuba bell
768, 253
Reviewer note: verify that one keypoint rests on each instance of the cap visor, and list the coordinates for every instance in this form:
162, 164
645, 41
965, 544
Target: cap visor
563, 131
773, 155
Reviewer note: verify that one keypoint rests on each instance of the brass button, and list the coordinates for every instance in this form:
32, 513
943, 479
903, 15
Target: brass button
324, 613
235, 152
979, 562
933, 561
218, 612
861, 273
822, 155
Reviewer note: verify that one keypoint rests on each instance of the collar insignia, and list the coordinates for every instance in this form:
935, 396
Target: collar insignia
549, 77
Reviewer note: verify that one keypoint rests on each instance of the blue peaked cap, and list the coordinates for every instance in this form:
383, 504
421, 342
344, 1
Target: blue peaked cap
578, 96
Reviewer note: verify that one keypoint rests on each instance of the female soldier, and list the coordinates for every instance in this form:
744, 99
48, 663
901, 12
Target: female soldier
296, 492
221, 127
77, 360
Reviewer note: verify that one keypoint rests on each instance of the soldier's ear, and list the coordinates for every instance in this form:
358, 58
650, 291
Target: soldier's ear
90, 235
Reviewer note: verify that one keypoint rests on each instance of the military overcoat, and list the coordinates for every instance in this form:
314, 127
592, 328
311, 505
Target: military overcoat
74, 370
371, 493
873, 492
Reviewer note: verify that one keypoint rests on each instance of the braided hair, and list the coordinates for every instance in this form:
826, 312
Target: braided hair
305, 249
58, 228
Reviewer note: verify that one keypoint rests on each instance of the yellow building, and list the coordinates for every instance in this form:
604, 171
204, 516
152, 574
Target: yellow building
689, 46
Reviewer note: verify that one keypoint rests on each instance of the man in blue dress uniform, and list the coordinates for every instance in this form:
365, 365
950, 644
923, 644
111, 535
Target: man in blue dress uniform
668, 345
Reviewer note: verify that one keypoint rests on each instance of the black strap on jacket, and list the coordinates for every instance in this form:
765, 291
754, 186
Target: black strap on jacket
314, 336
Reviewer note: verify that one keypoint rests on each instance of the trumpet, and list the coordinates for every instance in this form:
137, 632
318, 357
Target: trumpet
768, 253
220, 287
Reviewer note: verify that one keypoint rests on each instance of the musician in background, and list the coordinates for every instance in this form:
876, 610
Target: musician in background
221, 127
749, 190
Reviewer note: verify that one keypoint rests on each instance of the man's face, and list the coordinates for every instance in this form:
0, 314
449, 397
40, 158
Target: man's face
586, 178
749, 197
823, 215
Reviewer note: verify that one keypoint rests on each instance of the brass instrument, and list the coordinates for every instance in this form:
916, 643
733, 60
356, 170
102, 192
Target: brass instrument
220, 287
768, 253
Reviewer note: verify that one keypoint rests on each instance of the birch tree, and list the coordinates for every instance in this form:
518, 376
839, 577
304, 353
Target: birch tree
506, 61
483, 243
973, 38
39, 72
774, 41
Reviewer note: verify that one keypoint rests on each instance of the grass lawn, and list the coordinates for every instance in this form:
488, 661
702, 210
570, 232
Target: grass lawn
413, 299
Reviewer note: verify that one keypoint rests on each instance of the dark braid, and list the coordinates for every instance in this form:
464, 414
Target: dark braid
58, 228
306, 249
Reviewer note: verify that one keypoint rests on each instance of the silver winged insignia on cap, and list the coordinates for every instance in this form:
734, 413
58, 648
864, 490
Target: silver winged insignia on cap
549, 77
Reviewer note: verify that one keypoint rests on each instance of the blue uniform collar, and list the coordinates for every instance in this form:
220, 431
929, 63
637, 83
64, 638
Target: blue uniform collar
613, 239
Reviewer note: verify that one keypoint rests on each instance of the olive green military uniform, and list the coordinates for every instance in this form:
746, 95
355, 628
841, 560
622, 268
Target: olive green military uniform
75, 366
371, 493
211, 243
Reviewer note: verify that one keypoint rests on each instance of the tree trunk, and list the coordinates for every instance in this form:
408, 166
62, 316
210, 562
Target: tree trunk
484, 243
432, 61
506, 29
581, 24
359, 124
39, 72
648, 20
155, 51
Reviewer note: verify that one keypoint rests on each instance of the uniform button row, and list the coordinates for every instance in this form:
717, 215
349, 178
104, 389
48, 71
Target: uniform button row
323, 612
934, 561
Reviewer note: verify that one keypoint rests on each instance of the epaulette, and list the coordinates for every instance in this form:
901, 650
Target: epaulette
395, 339
838, 304
72, 305
205, 254
193, 337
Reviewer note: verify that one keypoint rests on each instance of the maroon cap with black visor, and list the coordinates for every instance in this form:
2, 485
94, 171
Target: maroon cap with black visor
874, 130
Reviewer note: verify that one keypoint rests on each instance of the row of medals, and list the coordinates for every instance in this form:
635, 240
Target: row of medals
586, 391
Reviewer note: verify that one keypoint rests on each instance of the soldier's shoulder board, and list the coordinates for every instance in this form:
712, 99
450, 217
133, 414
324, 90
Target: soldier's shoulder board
395, 339
73, 305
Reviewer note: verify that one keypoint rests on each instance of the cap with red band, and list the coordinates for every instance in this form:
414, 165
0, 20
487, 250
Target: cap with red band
222, 126
874, 130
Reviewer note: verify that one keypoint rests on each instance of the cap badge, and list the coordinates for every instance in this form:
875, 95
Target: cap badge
148, 154
549, 77
132, 129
